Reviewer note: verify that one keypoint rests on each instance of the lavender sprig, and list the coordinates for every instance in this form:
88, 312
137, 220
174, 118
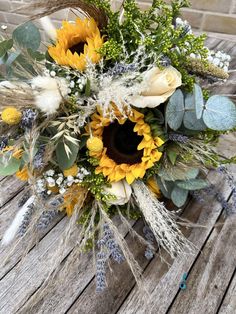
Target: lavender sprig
26, 220
46, 218
102, 258
179, 138
3, 143
39, 158
149, 236
108, 248
28, 118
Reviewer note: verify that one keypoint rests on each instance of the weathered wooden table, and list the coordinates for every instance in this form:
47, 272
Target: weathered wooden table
211, 282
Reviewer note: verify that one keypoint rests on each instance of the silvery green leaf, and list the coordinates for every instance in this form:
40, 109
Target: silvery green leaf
192, 173
193, 184
10, 168
220, 113
179, 196
199, 101
190, 118
175, 110
166, 187
27, 35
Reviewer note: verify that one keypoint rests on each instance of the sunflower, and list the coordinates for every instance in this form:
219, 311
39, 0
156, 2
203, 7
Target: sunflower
128, 146
77, 43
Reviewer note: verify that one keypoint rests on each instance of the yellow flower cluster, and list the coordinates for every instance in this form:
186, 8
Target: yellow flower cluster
77, 43
72, 171
11, 116
116, 172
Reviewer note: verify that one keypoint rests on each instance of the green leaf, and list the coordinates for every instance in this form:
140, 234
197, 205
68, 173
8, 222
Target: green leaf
36, 55
192, 173
5, 46
193, 184
11, 168
220, 113
175, 110
27, 35
26, 157
179, 196
65, 161
172, 155
190, 118
199, 101
166, 187
88, 88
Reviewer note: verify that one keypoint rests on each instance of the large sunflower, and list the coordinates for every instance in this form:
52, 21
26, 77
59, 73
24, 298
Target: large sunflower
77, 43
128, 146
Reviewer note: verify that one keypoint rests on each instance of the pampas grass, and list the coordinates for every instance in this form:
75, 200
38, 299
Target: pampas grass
161, 221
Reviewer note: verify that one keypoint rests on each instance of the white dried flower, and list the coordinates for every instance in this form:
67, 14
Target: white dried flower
49, 93
50, 172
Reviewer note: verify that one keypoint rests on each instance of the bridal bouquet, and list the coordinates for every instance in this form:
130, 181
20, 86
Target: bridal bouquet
113, 119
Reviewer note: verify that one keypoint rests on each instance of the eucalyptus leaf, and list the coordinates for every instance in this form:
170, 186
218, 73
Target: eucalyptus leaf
190, 118
175, 110
27, 36
192, 173
166, 187
199, 101
193, 184
12, 166
179, 196
65, 161
220, 113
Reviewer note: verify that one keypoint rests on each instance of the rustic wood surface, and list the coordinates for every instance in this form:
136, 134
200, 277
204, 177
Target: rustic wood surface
211, 269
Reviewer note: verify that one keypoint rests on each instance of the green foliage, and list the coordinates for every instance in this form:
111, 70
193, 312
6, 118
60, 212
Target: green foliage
10, 168
175, 110
5, 46
193, 184
220, 113
179, 196
66, 158
27, 36
190, 120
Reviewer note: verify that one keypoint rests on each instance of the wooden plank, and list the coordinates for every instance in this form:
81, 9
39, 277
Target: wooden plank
9, 187
162, 286
25, 281
7, 214
22, 281
229, 303
79, 276
211, 273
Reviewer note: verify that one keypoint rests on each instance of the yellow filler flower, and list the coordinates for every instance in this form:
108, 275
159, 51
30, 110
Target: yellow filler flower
129, 148
11, 116
77, 43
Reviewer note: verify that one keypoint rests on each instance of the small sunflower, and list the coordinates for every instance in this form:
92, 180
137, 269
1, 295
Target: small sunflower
77, 43
128, 146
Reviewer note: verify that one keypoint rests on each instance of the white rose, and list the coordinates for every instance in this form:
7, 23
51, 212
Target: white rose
121, 190
160, 85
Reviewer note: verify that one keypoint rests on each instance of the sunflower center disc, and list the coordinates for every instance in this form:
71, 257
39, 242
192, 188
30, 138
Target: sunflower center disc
122, 142
79, 48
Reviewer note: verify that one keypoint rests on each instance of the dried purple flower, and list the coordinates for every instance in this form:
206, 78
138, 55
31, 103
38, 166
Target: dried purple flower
180, 138
28, 118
